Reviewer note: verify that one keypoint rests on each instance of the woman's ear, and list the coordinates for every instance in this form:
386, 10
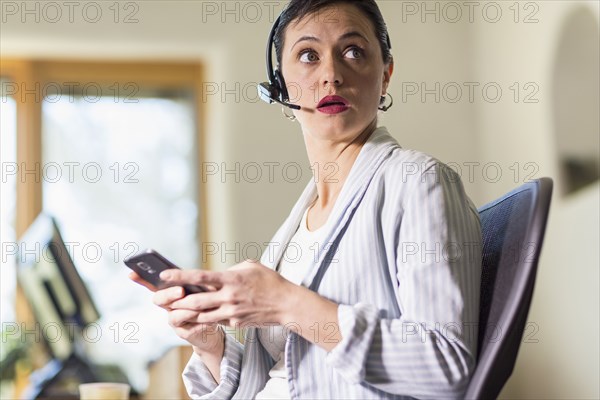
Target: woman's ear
387, 75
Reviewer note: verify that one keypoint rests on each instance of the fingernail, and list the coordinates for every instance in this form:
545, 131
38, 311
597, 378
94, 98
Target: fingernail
165, 275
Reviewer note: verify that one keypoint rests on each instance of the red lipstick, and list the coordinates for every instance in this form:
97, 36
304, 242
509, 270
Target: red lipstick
333, 105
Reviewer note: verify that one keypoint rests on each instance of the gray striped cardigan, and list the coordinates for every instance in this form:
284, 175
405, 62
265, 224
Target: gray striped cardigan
402, 258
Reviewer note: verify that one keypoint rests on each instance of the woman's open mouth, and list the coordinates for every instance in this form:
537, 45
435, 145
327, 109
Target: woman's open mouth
333, 105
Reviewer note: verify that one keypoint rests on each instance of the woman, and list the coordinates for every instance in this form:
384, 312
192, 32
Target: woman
380, 297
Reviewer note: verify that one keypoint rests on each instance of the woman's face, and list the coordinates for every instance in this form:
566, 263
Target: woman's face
333, 68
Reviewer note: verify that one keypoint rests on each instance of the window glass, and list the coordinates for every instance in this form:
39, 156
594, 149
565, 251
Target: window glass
119, 174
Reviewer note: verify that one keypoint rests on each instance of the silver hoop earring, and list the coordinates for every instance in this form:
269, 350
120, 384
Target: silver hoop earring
290, 117
383, 107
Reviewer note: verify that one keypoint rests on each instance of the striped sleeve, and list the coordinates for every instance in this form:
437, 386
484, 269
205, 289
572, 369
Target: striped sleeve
430, 350
200, 383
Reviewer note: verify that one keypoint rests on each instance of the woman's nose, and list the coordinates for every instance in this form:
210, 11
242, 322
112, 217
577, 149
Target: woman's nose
332, 72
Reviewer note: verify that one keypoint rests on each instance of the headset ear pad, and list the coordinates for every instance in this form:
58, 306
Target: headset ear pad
280, 86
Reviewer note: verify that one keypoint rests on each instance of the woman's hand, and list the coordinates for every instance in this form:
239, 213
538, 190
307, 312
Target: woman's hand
207, 338
247, 294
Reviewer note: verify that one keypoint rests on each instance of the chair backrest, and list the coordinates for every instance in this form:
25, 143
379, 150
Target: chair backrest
513, 230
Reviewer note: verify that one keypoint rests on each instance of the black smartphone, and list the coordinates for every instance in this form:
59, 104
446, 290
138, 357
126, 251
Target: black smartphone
149, 264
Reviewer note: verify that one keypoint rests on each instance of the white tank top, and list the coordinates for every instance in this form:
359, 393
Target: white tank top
299, 255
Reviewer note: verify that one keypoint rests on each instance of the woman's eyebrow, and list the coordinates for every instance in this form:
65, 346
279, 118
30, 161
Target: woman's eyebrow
347, 35
304, 39
354, 34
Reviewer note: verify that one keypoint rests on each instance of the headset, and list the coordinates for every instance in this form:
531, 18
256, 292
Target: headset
275, 90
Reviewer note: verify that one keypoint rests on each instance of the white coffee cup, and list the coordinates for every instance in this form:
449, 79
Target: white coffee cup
104, 391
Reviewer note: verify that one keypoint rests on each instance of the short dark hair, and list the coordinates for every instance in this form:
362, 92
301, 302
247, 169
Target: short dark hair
298, 9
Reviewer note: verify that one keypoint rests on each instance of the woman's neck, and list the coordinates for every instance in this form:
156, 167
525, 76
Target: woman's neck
331, 163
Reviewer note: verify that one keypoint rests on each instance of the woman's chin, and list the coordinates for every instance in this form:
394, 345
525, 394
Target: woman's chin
336, 126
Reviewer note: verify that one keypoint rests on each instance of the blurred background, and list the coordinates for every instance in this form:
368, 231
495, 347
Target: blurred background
136, 124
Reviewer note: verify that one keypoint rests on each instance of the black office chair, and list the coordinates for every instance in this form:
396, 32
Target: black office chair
513, 230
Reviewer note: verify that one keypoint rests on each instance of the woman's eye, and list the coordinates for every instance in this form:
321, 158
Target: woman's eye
354, 53
308, 56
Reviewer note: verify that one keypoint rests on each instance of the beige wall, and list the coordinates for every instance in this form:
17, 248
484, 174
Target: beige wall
564, 362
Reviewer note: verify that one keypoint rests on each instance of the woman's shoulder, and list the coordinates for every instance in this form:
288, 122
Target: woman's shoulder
401, 160
411, 165
412, 176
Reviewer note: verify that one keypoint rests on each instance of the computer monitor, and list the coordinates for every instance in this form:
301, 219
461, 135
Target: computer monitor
63, 308
60, 301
